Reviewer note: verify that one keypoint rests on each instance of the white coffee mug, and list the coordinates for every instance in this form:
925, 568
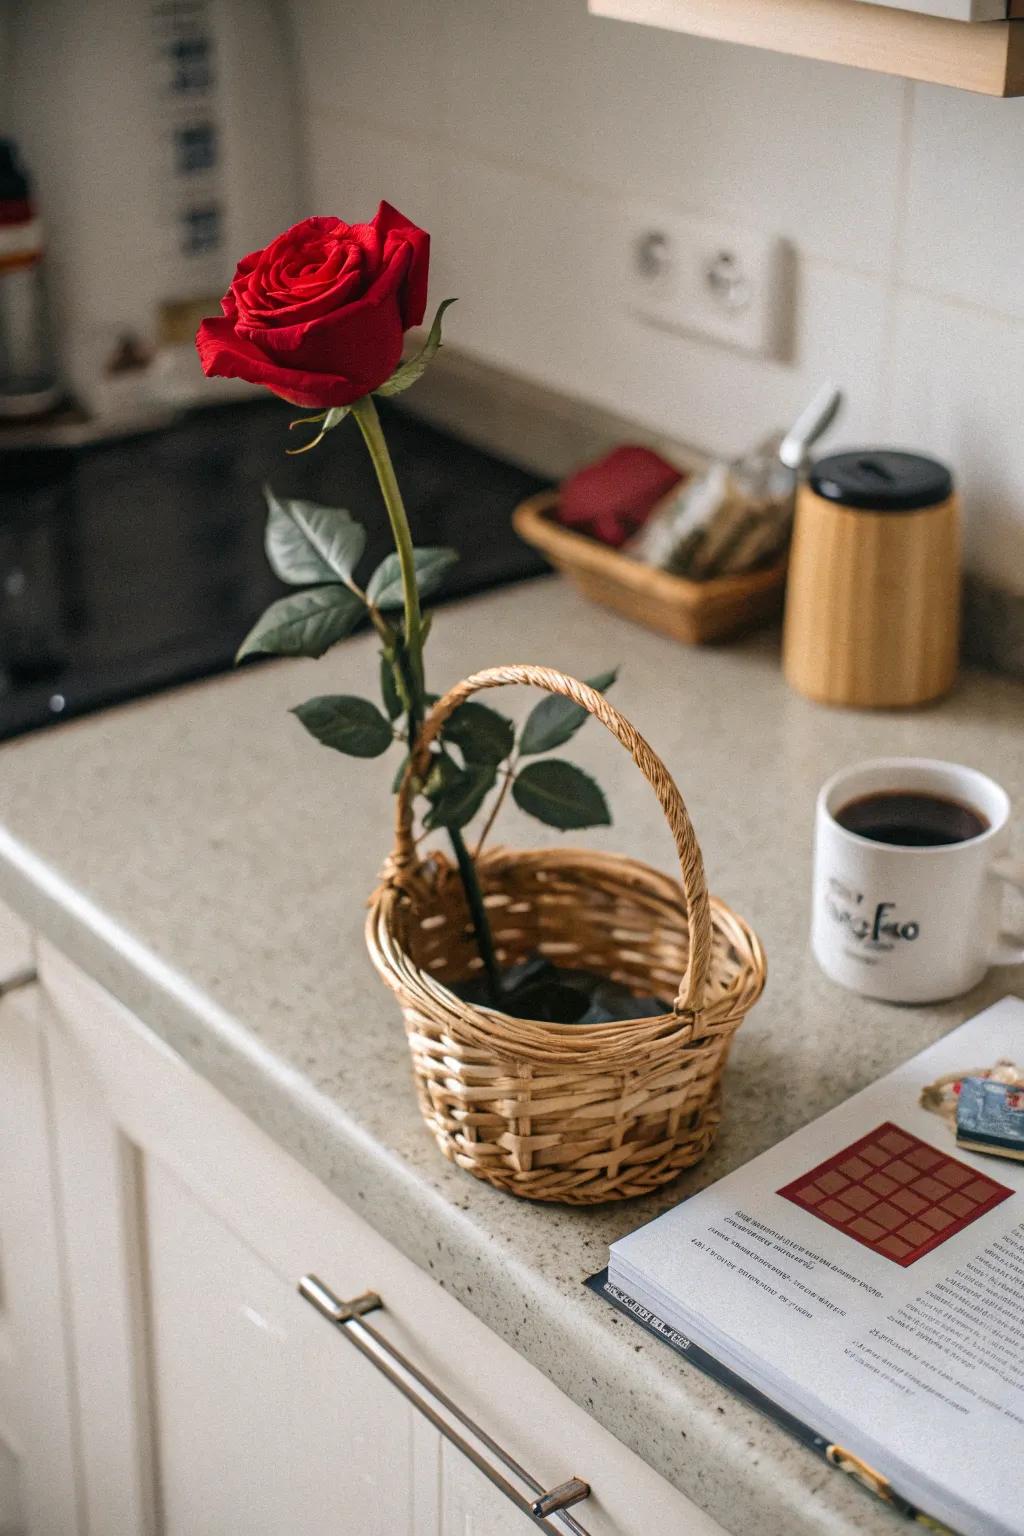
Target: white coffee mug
912, 924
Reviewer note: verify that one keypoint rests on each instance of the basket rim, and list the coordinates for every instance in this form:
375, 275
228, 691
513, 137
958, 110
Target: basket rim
535, 522
615, 1041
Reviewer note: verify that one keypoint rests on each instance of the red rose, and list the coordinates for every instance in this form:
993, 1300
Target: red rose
319, 315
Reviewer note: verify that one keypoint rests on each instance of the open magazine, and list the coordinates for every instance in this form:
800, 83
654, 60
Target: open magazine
864, 1280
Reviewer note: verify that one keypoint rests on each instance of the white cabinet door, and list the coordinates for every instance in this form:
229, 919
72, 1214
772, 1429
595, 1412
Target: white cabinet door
38, 1473
265, 1424
214, 1401
219, 1400
472, 1506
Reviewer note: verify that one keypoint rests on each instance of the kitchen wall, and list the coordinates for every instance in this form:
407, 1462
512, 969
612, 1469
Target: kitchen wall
6, 114
521, 131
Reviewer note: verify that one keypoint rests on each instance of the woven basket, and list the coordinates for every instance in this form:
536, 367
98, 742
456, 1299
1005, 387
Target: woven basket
695, 612
577, 1113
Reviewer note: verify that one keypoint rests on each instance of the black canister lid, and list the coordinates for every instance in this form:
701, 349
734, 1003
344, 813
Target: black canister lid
882, 480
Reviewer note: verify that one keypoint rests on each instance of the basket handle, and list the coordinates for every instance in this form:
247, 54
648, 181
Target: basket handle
691, 864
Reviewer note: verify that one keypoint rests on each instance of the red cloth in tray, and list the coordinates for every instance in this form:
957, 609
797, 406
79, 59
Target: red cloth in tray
613, 497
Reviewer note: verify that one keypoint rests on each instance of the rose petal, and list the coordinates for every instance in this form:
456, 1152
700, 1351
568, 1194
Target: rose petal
391, 223
309, 326
295, 270
224, 354
362, 341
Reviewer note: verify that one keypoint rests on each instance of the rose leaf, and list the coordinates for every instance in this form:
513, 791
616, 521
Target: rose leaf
385, 586
481, 734
551, 722
350, 725
560, 795
304, 623
460, 796
407, 373
309, 543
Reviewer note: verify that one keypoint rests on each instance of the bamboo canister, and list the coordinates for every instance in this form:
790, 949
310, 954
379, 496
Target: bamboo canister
873, 604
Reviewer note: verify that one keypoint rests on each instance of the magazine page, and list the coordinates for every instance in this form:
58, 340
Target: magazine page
870, 1274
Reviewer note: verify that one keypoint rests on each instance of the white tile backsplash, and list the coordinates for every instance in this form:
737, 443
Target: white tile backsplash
964, 233
542, 85
527, 295
354, 166
956, 391
537, 296
751, 136
378, 59
520, 133
724, 401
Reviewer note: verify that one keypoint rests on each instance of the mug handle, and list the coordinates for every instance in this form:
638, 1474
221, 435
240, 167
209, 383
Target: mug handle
1009, 949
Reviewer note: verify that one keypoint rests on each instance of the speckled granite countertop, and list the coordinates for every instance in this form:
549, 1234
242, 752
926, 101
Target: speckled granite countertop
199, 856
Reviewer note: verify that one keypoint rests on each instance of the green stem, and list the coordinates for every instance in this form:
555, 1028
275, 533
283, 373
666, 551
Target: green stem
510, 773
478, 915
365, 413
415, 706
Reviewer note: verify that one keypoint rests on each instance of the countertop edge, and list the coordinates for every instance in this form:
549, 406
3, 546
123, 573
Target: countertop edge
722, 1472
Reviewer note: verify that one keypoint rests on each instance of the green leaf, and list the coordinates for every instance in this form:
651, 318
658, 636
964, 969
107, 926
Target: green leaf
306, 542
555, 719
304, 623
433, 777
389, 686
441, 771
385, 588
482, 735
560, 795
330, 420
347, 724
407, 373
461, 795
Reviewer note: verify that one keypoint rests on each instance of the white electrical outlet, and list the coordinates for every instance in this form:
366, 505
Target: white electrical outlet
704, 278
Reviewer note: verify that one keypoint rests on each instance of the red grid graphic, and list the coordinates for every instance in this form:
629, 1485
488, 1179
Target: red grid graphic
895, 1194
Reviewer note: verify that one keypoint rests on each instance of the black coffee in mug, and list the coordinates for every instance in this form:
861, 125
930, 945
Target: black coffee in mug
911, 818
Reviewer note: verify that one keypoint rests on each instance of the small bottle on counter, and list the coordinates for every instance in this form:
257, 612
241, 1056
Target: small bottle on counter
29, 381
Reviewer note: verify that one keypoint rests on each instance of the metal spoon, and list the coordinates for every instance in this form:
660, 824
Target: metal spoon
814, 419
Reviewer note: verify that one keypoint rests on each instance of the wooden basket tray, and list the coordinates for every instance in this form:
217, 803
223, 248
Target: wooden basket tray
695, 612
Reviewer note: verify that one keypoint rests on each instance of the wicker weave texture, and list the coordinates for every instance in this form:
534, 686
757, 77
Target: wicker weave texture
573, 1113
695, 612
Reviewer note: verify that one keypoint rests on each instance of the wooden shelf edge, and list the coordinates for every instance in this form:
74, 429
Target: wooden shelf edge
987, 57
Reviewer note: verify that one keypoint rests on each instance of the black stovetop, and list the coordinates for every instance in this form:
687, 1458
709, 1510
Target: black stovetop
129, 566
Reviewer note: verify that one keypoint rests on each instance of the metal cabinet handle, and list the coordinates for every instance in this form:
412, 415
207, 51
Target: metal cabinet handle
349, 1317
